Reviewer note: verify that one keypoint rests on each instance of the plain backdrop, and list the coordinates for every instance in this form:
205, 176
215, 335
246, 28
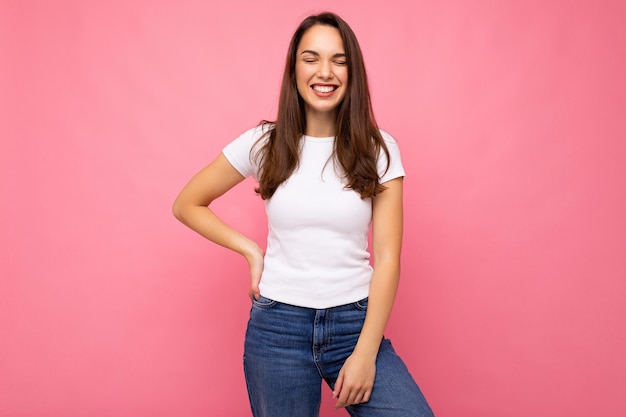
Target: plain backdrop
510, 117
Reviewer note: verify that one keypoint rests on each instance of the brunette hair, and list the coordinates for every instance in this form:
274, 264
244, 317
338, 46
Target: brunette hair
358, 140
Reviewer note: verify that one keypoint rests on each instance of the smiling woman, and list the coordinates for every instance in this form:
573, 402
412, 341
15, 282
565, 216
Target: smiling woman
326, 172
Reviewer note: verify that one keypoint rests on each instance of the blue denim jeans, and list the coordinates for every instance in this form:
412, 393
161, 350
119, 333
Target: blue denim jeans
289, 350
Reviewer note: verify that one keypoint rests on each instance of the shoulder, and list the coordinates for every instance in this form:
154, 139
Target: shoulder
251, 138
242, 151
257, 132
387, 138
389, 163
389, 142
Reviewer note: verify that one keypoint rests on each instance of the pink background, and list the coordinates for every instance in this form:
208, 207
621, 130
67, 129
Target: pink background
510, 115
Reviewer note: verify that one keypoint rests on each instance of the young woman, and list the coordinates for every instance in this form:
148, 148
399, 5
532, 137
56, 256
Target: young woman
326, 172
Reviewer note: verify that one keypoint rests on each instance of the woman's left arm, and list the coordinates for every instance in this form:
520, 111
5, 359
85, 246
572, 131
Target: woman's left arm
356, 378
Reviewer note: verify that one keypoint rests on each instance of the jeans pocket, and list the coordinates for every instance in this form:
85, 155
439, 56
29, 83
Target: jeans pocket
263, 302
361, 304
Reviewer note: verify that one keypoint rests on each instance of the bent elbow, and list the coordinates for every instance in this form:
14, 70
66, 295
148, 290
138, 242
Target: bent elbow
177, 210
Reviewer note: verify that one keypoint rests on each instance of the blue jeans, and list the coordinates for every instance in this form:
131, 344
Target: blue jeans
289, 350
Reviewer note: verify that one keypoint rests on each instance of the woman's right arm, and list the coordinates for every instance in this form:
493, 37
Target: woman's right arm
191, 207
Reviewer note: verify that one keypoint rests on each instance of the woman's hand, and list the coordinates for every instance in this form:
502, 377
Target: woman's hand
255, 261
355, 381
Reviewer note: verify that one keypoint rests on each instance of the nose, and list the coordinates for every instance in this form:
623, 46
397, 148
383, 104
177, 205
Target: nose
325, 70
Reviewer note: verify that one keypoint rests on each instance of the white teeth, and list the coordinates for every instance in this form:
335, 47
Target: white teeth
323, 88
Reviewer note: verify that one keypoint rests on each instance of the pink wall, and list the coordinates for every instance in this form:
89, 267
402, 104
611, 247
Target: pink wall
511, 119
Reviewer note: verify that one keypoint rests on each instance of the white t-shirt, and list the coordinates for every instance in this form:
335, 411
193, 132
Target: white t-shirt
316, 252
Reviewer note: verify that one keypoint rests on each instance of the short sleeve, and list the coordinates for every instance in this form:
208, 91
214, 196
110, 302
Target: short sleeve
240, 151
396, 169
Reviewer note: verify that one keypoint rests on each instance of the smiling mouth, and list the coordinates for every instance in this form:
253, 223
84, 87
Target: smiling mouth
324, 88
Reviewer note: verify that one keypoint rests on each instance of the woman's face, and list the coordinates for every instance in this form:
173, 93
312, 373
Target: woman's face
321, 69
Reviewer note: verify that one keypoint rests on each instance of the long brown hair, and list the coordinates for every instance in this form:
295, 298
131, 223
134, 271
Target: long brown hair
358, 142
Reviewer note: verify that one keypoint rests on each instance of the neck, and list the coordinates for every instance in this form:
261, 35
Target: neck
320, 125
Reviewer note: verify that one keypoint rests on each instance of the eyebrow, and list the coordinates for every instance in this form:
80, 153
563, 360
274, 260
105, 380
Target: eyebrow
308, 51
